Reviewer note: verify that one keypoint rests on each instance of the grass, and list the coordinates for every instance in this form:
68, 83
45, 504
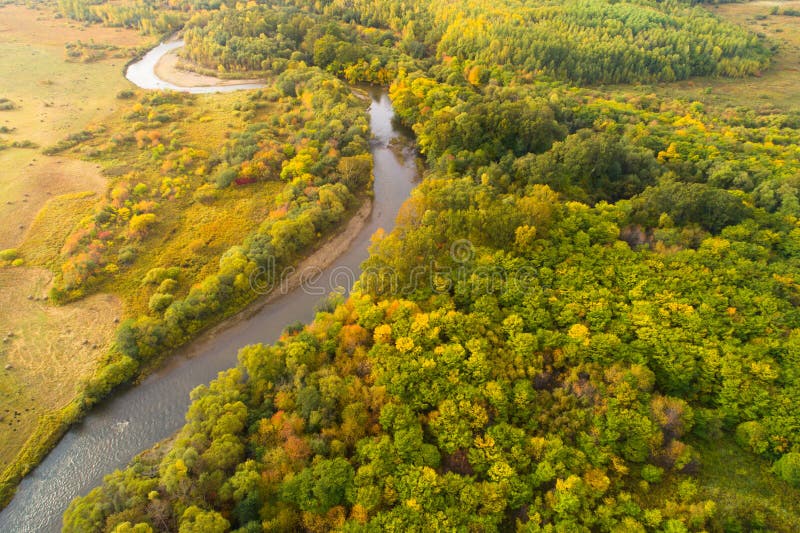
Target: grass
52, 99
45, 351
747, 496
742, 486
53, 224
44, 361
29, 180
193, 238
188, 234
46, 197
775, 89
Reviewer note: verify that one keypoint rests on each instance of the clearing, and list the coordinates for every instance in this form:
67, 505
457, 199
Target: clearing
775, 89
52, 98
45, 351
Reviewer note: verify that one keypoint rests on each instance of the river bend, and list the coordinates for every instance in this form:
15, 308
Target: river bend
138, 417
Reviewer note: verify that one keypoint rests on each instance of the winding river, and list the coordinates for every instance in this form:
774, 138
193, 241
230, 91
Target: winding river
141, 416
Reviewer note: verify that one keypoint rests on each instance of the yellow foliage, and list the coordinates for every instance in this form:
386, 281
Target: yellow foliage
383, 334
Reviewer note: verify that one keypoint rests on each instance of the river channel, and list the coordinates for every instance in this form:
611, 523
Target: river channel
138, 417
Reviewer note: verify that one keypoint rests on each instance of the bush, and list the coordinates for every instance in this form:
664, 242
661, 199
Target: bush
206, 194
225, 177
157, 275
652, 473
788, 468
108, 377
139, 224
159, 301
126, 255
752, 437
9, 254
167, 286
125, 95
141, 189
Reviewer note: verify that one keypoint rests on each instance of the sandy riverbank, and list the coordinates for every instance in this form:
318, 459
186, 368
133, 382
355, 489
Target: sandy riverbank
168, 69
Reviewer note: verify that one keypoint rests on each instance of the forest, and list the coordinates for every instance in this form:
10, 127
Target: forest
590, 297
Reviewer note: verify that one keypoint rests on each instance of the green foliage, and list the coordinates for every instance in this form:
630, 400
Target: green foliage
9, 254
272, 38
195, 520
320, 487
752, 436
788, 468
159, 302
627, 285
590, 42
591, 167
652, 473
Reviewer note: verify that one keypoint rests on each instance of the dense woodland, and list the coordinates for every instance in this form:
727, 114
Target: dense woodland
581, 41
588, 291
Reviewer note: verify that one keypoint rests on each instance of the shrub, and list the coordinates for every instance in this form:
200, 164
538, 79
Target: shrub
225, 177
9, 254
652, 473
752, 437
788, 468
167, 286
141, 189
206, 194
139, 224
127, 255
157, 275
159, 301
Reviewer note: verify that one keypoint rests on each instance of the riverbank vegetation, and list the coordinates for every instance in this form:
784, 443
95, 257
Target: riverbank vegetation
46, 352
586, 317
189, 218
196, 194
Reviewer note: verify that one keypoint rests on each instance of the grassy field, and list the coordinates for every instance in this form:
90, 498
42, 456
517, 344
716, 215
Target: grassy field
42, 197
52, 99
776, 88
45, 351
740, 485
45, 198
189, 234
53, 224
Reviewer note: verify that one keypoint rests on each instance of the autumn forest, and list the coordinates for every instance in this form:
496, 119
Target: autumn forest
585, 318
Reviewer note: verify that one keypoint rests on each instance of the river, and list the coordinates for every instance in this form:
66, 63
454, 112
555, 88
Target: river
138, 417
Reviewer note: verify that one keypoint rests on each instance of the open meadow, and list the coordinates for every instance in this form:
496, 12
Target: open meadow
774, 88
51, 98
47, 351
